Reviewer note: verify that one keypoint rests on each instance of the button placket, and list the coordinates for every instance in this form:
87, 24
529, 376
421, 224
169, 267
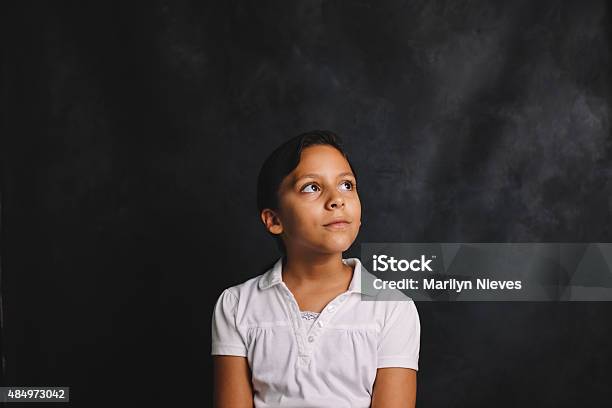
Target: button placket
307, 339
326, 315
296, 322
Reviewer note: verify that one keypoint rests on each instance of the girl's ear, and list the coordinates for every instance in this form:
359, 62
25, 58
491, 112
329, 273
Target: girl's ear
271, 221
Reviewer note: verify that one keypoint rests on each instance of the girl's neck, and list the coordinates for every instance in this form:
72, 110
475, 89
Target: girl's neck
312, 271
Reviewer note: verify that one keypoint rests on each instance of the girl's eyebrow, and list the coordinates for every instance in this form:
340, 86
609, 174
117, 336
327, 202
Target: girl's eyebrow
314, 175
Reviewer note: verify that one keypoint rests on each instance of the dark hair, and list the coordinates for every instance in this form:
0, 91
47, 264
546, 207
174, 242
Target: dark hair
283, 160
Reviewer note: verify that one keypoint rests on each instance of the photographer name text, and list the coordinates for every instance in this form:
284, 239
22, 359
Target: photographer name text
383, 263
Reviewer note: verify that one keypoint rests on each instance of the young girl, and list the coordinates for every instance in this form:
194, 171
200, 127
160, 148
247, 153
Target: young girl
307, 333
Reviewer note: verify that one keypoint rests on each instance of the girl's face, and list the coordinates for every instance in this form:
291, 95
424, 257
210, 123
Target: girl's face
319, 208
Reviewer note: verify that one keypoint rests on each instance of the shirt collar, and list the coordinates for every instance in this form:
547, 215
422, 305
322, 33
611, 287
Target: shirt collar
274, 275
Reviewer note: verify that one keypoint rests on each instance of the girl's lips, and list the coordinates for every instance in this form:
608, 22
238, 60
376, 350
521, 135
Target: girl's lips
337, 225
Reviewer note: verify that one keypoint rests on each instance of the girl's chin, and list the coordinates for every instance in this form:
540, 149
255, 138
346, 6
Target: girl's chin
328, 245
337, 247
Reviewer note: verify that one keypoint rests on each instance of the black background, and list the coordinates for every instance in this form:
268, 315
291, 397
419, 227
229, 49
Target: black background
133, 134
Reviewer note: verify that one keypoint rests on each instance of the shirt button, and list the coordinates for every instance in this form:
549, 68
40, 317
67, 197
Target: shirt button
332, 308
310, 339
320, 323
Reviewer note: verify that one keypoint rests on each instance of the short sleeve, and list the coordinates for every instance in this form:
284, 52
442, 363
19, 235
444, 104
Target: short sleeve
400, 338
226, 339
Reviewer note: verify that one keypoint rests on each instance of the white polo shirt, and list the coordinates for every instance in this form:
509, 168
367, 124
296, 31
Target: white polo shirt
331, 363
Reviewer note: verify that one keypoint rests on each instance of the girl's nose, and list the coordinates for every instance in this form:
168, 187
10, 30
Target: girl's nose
335, 202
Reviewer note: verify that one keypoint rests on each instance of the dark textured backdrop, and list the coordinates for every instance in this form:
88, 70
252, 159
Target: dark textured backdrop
133, 135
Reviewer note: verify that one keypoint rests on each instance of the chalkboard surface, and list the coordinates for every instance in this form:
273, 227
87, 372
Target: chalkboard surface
132, 139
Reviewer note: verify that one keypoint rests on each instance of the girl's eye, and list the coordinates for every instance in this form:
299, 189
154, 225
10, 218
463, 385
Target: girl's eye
310, 188
348, 184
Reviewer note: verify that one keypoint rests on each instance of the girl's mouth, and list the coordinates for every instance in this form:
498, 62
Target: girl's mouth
337, 225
